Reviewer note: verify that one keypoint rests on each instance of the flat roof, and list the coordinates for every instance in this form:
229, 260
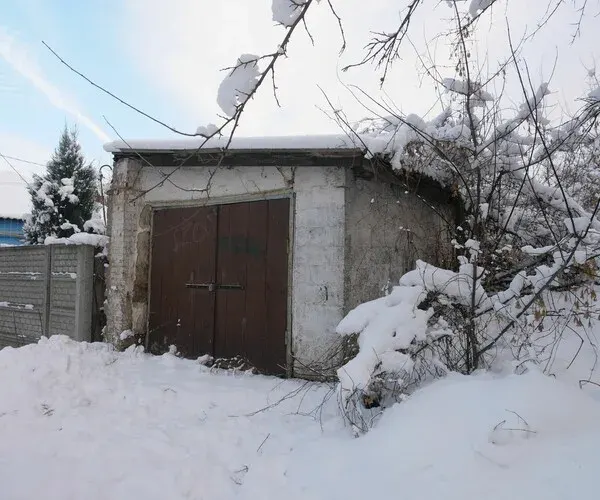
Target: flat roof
337, 142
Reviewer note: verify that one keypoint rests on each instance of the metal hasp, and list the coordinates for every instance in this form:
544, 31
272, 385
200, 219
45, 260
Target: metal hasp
211, 287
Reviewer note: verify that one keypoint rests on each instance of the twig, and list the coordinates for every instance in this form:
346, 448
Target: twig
263, 442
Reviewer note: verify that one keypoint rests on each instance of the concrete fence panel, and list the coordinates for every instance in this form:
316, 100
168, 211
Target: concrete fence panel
45, 290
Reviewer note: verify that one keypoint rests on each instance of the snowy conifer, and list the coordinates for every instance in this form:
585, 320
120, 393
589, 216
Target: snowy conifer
63, 198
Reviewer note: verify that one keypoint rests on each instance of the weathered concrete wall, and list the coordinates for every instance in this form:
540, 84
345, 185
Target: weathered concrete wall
318, 277
45, 290
123, 227
317, 256
388, 228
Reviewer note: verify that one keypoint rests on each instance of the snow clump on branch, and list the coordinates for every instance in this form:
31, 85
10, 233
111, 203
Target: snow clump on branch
239, 84
479, 5
594, 95
286, 12
208, 130
467, 89
244, 77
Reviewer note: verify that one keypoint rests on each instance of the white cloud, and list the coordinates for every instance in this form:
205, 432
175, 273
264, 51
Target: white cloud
181, 46
18, 57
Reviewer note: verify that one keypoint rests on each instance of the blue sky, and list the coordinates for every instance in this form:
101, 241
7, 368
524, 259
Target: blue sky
121, 45
165, 57
88, 34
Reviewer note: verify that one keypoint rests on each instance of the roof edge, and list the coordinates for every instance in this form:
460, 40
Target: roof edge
230, 151
274, 143
244, 157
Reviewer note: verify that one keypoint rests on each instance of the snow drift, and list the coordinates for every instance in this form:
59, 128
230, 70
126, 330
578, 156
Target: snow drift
83, 421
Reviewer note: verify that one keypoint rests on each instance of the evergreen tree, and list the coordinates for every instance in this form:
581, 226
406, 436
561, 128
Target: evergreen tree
63, 198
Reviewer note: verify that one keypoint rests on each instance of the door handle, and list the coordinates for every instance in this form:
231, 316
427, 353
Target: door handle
211, 287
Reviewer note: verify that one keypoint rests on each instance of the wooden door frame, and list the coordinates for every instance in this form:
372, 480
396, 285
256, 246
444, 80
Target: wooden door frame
228, 200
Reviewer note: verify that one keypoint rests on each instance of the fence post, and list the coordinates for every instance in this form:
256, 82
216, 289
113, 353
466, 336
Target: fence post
47, 290
84, 289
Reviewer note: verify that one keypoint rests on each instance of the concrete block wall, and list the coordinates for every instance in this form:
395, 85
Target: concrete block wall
45, 290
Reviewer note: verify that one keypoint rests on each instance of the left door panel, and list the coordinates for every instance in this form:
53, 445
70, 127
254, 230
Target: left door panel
184, 250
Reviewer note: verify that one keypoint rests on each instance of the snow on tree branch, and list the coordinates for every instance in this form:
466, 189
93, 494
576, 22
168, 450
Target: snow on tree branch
462, 87
594, 95
526, 236
287, 12
477, 6
239, 84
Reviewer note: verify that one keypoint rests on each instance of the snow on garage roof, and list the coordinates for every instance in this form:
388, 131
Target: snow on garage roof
289, 143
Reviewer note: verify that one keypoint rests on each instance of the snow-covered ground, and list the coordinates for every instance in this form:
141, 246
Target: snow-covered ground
80, 421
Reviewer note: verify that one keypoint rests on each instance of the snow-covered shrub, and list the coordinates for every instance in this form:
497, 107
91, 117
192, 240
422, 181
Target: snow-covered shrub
426, 327
407, 337
527, 240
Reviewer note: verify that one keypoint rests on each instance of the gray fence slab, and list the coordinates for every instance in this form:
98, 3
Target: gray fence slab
45, 290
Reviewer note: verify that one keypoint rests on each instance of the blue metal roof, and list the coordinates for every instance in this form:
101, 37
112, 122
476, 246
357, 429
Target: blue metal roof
11, 231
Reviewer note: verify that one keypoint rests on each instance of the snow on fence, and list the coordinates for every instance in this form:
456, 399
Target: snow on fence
46, 290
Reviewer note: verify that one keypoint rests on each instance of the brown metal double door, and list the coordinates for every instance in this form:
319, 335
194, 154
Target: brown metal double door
219, 282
